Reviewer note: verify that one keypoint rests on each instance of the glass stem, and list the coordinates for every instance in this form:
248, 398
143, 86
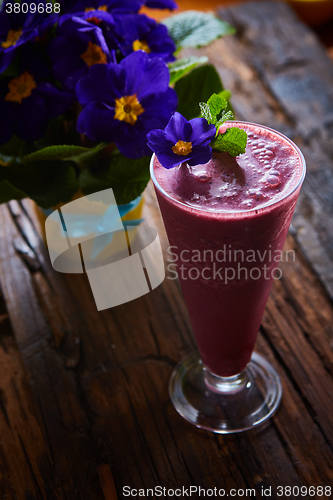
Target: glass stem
225, 385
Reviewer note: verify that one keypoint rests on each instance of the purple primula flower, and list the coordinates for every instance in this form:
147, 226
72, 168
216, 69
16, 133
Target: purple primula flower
122, 102
27, 102
182, 141
128, 6
81, 43
18, 29
161, 4
139, 32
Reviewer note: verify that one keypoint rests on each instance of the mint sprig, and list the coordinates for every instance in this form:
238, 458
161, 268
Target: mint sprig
233, 141
216, 111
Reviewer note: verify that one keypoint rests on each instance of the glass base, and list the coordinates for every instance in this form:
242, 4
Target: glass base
225, 405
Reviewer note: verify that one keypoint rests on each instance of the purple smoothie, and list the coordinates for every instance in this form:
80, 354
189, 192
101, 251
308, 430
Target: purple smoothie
223, 220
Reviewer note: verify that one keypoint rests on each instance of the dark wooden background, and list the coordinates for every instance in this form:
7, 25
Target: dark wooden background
84, 406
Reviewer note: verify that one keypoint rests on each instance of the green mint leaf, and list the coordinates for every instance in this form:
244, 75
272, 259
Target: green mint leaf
228, 115
219, 109
180, 68
217, 105
233, 141
225, 94
196, 29
205, 112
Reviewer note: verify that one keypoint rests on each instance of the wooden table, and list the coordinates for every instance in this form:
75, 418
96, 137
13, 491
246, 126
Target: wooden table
83, 395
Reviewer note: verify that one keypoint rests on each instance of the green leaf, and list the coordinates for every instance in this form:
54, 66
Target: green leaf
205, 112
196, 29
127, 177
48, 183
9, 192
55, 153
214, 110
182, 67
217, 110
225, 94
217, 105
220, 108
197, 87
49, 175
233, 141
60, 130
14, 147
225, 116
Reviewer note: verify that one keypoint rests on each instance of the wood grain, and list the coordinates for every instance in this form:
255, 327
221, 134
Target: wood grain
84, 406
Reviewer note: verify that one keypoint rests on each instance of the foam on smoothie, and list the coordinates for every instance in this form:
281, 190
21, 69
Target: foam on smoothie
270, 169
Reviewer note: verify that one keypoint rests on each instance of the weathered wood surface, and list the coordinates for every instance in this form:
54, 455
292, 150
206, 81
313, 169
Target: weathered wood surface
84, 407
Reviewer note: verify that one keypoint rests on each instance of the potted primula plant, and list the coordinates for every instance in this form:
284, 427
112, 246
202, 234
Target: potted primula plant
82, 83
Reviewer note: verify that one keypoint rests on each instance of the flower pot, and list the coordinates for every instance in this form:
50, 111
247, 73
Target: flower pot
131, 213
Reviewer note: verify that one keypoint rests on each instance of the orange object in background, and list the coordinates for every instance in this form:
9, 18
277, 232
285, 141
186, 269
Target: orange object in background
203, 5
313, 12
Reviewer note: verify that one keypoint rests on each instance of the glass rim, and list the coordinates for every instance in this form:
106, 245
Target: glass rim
246, 211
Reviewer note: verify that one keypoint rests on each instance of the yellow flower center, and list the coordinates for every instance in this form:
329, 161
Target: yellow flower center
102, 7
94, 55
20, 88
128, 109
13, 37
141, 45
182, 148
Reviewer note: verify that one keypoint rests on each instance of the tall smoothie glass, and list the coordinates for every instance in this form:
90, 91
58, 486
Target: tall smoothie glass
227, 222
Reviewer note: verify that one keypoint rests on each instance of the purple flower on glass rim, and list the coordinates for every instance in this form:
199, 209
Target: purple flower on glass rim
80, 43
182, 141
139, 32
122, 102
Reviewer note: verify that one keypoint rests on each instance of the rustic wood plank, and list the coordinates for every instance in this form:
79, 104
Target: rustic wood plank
84, 398
22, 441
62, 419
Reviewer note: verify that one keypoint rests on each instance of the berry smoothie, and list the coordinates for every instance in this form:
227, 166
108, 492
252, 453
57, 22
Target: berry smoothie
227, 222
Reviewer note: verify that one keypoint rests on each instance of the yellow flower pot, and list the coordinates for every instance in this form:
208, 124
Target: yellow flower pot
133, 215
